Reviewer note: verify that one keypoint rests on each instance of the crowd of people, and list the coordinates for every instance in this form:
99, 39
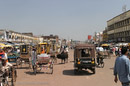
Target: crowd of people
122, 63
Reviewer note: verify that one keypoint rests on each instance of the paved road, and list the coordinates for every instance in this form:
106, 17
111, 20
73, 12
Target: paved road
63, 76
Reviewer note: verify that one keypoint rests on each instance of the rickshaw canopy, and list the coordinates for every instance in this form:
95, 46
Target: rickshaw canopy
82, 46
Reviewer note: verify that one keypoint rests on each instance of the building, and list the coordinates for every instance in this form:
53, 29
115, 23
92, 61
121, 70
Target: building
118, 28
16, 37
50, 38
105, 36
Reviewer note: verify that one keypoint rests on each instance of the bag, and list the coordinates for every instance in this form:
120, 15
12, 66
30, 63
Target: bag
43, 58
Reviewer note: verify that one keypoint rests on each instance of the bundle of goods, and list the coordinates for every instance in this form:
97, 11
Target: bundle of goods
43, 58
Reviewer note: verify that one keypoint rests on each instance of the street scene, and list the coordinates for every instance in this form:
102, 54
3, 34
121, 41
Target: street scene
64, 43
64, 75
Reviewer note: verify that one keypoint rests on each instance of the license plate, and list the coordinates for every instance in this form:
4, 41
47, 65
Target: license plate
86, 61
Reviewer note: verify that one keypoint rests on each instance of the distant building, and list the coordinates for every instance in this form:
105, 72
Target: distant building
28, 34
105, 36
16, 37
50, 38
118, 28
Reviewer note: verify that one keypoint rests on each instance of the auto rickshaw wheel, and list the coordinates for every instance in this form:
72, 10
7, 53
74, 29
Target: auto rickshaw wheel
76, 71
94, 71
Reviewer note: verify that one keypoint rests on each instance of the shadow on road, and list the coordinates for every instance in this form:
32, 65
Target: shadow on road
32, 73
71, 61
80, 73
22, 68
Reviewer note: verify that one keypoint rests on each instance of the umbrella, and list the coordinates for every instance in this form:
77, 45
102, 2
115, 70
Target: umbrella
8, 46
104, 45
2, 45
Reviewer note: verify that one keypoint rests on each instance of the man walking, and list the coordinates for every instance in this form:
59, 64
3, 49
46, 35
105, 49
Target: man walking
34, 57
122, 68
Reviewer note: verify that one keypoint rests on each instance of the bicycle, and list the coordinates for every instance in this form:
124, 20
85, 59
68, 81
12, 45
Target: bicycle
101, 62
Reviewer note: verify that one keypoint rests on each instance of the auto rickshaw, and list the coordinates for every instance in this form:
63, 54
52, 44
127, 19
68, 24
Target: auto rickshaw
25, 54
84, 57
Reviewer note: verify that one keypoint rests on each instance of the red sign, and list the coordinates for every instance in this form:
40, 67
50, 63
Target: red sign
89, 37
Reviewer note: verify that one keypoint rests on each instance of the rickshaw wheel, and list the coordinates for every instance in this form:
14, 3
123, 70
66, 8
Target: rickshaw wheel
94, 71
51, 68
18, 62
76, 71
35, 69
14, 75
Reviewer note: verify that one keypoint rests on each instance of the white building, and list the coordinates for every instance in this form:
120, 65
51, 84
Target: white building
16, 37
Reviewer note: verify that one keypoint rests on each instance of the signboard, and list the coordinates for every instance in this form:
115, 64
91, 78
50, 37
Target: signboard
89, 37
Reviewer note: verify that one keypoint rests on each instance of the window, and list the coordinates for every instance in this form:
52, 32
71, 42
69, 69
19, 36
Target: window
85, 53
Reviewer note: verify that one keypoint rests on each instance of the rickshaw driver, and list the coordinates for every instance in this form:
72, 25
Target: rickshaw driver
99, 52
4, 60
43, 50
5, 65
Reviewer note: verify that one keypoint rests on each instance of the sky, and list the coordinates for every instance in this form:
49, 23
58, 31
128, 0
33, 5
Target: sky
69, 19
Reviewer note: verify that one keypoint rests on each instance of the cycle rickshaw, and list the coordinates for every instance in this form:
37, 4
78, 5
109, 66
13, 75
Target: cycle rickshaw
43, 62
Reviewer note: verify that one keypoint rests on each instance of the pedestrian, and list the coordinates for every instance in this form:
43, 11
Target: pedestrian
122, 68
114, 51
34, 57
18, 51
